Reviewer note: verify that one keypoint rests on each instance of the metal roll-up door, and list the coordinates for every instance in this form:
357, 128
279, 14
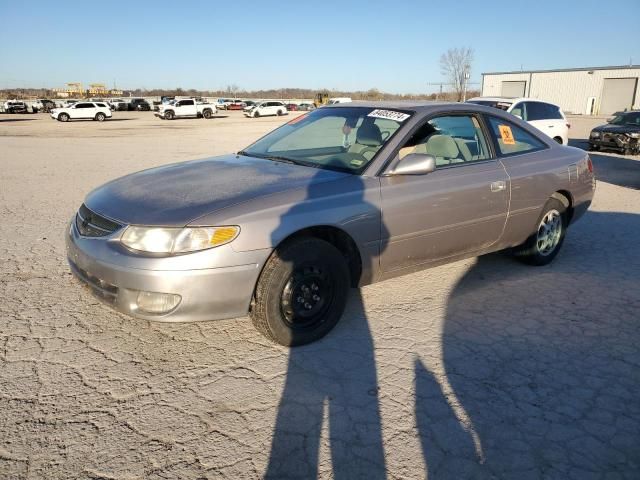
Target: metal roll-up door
513, 89
617, 94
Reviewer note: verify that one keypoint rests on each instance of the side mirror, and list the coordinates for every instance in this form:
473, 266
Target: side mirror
415, 164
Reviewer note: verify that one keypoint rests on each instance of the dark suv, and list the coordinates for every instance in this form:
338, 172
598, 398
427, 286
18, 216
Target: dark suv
139, 104
622, 133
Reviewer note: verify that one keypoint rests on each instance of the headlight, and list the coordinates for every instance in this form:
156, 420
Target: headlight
177, 240
633, 134
595, 134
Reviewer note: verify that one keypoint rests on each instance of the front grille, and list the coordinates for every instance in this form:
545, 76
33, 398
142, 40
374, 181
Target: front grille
90, 224
101, 289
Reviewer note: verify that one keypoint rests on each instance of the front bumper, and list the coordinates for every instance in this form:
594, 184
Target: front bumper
615, 141
222, 291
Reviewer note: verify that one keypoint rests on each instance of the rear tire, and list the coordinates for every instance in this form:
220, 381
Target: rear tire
545, 243
301, 293
280, 113
100, 117
207, 114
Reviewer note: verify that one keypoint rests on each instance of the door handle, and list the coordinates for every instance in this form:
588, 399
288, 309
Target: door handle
498, 186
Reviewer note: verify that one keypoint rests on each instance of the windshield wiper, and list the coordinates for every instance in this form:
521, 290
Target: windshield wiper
275, 158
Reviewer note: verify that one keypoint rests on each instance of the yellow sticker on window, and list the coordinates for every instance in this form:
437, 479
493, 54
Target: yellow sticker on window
507, 136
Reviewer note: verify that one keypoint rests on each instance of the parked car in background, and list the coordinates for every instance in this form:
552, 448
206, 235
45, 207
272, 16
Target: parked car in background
292, 107
118, 104
98, 111
249, 104
621, 133
236, 105
545, 116
306, 106
15, 106
333, 101
264, 109
43, 105
342, 197
224, 102
67, 103
186, 107
139, 104
164, 100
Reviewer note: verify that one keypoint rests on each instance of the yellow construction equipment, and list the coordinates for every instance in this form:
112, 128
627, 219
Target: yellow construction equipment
321, 98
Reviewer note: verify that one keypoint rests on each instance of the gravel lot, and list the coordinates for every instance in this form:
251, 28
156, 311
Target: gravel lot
484, 368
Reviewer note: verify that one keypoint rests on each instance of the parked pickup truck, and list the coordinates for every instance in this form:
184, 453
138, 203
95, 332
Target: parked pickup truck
186, 107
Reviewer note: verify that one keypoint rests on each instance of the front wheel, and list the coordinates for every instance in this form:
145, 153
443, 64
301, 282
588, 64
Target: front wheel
545, 243
168, 115
256, 114
63, 117
301, 293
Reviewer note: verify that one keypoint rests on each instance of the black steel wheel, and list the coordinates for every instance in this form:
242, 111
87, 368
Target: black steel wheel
301, 293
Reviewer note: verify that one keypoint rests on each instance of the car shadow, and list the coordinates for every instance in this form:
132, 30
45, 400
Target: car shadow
545, 374
615, 169
17, 119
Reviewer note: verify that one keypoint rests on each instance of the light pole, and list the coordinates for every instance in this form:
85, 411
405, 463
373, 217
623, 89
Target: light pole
466, 79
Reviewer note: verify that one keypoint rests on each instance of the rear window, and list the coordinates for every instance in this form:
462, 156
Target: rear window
542, 111
513, 140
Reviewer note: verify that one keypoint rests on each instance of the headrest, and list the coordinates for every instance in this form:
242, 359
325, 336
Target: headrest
442, 146
369, 135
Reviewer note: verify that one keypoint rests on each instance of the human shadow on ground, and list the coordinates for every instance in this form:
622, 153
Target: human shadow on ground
544, 371
335, 376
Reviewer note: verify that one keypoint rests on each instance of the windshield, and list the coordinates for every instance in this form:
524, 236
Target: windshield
626, 119
343, 139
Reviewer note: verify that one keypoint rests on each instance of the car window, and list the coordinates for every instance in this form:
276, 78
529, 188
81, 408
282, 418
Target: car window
451, 139
101, 105
519, 110
84, 105
542, 111
513, 140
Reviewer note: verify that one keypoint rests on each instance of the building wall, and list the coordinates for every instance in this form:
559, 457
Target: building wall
568, 89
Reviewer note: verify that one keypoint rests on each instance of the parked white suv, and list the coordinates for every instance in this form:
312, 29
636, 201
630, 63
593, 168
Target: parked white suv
545, 116
264, 109
185, 107
82, 110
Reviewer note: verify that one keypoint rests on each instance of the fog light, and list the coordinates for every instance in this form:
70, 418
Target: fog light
157, 303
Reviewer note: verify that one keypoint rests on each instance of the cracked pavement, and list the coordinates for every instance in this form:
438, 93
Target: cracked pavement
484, 368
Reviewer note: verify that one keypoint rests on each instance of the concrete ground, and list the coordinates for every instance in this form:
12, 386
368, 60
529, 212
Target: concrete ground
484, 368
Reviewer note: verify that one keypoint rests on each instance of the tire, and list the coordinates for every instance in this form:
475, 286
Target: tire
169, 115
256, 114
207, 114
545, 243
301, 293
280, 113
63, 117
100, 117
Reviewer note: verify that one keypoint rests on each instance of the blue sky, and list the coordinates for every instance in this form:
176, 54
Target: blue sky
392, 46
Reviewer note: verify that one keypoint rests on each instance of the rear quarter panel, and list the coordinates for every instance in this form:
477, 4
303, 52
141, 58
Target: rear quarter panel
535, 177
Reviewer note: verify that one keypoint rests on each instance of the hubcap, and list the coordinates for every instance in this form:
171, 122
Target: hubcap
549, 232
306, 297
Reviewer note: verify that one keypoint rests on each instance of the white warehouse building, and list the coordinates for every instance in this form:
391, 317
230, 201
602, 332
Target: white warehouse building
585, 91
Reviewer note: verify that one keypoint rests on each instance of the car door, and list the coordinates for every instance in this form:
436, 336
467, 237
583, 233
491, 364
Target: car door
188, 108
81, 110
546, 118
460, 207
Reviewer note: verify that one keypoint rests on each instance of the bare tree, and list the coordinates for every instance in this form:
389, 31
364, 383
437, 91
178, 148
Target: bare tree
456, 66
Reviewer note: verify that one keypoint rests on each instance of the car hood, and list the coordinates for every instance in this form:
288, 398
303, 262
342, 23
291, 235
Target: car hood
177, 194
608, 128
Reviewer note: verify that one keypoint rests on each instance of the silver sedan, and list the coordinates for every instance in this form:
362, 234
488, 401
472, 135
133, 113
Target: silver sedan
340, 197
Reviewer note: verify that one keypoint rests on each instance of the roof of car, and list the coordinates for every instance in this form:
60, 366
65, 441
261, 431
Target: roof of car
416, 105
509, 99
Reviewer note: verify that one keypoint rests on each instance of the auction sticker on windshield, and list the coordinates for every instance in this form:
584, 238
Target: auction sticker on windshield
390, 115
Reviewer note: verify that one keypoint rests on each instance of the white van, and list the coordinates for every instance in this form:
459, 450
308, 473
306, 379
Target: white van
545, 116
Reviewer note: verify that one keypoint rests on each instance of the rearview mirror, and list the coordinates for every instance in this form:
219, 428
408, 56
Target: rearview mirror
415, 164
